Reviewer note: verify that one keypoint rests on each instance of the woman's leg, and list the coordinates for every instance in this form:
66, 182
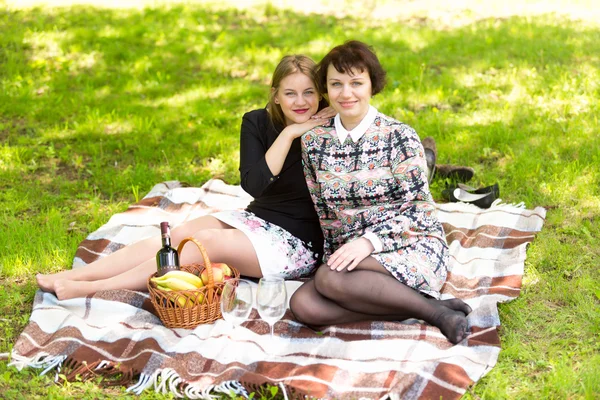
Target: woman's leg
128, 257
371, 290
317, 311
230, 246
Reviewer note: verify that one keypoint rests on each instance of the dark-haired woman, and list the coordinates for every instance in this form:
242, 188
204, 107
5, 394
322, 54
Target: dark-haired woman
277, 234
385, 251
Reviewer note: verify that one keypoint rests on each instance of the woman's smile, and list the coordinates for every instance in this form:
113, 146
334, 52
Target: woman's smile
347, 104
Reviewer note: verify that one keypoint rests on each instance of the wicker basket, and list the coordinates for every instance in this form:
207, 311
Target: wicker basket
190, 308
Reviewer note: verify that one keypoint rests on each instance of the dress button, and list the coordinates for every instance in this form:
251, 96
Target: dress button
271, 179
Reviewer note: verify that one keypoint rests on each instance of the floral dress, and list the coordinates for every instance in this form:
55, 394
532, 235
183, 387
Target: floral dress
378, 187
278, 251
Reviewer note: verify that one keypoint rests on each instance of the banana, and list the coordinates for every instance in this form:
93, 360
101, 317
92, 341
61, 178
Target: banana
174, 283
163, 288
180, 298
180, 276
195, 296
180, 280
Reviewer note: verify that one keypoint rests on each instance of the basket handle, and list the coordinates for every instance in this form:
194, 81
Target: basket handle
207, 263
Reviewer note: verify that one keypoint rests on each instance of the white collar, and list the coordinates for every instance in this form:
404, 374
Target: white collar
359, 130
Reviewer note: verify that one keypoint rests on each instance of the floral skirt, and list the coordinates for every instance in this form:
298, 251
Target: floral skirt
278, 251
422, 266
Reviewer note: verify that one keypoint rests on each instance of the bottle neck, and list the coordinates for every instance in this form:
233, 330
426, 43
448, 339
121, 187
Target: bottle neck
166, 240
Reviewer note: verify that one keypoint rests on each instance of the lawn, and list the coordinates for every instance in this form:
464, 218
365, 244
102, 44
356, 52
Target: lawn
99, 103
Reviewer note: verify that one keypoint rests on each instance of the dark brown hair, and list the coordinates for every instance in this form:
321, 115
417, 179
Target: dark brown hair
287, 66
348, 56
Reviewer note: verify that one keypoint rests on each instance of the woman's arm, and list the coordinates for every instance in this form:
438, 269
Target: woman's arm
260, 165
254, 172
278, 152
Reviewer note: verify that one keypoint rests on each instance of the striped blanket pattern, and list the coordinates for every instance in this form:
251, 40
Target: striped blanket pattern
115, 334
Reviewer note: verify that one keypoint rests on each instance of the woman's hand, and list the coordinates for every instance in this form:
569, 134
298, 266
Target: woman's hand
325, 113
350, 254
296, 130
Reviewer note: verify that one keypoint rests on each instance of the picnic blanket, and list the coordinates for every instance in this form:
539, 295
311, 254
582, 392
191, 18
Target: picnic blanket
115, 334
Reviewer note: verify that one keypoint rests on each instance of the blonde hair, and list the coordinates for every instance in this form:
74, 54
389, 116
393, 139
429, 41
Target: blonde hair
287, 66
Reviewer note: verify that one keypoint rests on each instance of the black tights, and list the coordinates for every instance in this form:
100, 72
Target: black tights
370, 293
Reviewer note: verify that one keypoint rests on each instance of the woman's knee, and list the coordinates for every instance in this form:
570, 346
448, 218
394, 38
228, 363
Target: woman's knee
300, 308
328, 282
303, 308
192, 227
206, 235
211, 240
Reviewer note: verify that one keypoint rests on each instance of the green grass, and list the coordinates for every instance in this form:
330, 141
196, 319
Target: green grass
97, 105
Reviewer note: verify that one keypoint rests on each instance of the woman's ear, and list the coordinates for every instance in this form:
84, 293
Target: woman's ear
274, 95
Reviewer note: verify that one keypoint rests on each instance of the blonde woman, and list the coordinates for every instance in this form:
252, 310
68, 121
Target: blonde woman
278, 233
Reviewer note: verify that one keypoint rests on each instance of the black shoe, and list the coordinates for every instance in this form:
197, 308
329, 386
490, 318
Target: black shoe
457, 173
430, 156
482, 198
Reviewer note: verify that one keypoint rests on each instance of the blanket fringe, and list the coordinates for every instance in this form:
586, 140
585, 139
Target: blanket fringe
144, 382
228, 387
69, 369
282, 386
113, 374
288, 392
41, 360
167, 381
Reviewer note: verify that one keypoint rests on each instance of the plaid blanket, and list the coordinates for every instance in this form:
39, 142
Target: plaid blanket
116, 334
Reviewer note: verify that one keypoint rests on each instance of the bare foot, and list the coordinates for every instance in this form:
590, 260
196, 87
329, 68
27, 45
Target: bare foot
457, 305
67, 289
453, 325
46, 282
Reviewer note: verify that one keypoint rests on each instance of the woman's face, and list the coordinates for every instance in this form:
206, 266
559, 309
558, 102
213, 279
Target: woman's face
298, 98
350, 94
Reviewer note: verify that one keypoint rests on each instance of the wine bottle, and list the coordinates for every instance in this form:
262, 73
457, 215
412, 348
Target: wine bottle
167, 258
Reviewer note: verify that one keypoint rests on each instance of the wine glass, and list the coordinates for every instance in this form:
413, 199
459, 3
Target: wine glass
271, 300
236, 301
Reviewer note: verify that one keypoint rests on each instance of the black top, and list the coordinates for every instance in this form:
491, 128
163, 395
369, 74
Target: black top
283, 199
